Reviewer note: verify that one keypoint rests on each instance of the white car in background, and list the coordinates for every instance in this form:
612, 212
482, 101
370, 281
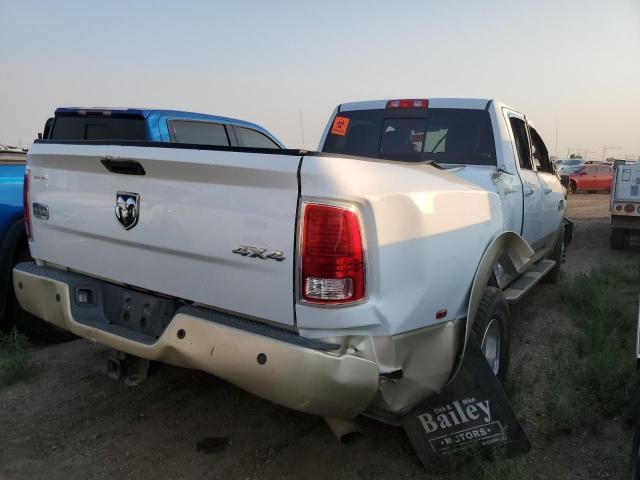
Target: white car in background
571, 166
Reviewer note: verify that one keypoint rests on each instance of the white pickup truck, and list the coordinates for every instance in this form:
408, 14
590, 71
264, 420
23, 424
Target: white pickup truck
336, 283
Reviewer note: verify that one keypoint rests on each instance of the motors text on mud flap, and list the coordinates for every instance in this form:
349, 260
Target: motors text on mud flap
461, 422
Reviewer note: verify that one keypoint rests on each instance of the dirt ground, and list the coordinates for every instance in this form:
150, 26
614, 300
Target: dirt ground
70, 421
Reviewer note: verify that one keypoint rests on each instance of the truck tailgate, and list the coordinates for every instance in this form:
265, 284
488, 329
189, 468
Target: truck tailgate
195, 208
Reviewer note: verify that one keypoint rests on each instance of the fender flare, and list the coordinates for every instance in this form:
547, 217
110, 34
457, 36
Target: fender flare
517, 251
7, 251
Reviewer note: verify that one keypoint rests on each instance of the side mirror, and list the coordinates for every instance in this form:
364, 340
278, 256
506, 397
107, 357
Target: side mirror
582, 173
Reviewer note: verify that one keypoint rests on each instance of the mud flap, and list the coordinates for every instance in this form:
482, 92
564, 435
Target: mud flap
568, 231
470, 417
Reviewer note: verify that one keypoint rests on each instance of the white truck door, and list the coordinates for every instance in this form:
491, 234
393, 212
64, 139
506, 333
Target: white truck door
531, 187
553, 201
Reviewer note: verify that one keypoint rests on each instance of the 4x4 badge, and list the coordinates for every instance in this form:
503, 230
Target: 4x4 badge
255, 252
127, 209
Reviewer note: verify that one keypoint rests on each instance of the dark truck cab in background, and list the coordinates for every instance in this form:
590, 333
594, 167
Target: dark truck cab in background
152, 125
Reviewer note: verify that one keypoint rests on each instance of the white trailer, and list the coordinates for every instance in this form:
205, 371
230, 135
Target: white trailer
625, 202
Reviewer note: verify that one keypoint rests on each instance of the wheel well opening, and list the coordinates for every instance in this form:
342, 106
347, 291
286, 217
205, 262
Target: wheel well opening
21, 252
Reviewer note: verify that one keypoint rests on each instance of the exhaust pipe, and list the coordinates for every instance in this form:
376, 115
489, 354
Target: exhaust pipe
346, 431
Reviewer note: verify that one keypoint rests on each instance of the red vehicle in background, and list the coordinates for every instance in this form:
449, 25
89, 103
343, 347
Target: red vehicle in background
590, 178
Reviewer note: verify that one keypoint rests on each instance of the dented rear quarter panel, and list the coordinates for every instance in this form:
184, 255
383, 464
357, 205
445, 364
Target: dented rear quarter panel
425, 232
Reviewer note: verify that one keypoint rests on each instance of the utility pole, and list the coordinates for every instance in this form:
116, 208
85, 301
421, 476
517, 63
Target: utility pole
302, 130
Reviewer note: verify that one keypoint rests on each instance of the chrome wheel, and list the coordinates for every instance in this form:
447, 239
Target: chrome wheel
491, 345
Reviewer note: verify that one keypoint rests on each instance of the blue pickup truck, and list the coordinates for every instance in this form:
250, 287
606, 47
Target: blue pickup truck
101, 124
134, 124
13, 243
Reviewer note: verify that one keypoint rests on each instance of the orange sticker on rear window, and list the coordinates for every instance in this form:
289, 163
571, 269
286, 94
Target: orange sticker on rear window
340, 125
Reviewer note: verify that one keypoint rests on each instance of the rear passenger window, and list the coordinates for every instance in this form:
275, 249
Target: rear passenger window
98, 127
604, 171
253, 139
199, 133
47, 128
522, 142
539, 153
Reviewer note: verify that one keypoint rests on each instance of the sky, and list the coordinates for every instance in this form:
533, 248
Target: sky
287, 64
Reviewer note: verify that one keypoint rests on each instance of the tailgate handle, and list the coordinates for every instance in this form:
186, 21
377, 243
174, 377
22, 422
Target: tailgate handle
123, 167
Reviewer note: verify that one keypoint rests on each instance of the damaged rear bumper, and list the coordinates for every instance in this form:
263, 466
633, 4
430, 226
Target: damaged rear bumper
302, 374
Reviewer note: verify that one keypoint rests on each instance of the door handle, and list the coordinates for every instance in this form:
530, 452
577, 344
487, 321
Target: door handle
528, 191
546, 190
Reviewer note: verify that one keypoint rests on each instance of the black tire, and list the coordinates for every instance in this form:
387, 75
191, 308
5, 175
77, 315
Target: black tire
572, 187
635, 457
618, 239
494, 312
556, 255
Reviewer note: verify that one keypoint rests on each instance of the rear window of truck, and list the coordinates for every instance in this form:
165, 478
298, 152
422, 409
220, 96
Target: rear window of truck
197, 132
443, 135
98, 127
252, 139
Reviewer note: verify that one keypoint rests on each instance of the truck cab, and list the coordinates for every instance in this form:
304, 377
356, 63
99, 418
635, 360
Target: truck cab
132, 124
480, 140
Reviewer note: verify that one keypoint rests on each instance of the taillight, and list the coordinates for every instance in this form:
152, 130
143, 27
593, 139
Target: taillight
26, 203
629, 208
331, 255
408, 103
